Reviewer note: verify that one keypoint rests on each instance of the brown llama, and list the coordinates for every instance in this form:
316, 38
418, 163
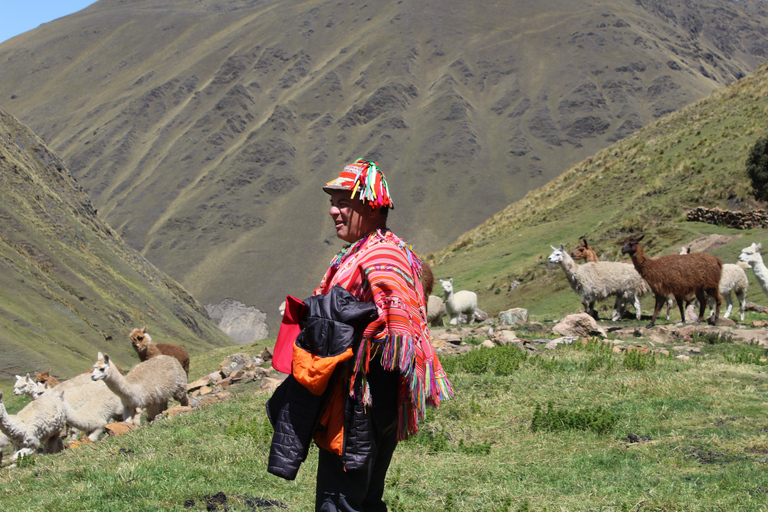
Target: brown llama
427, 280
146, 348
679, 275
584, 252
46, 378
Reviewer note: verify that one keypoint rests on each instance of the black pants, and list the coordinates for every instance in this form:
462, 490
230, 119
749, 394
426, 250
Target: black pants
362, 490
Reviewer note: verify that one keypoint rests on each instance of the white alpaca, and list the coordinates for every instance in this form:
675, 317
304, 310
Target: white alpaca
99, 410
37, 425
751, 255
599, 280
27, 386
435, 311
463, 301
150, 384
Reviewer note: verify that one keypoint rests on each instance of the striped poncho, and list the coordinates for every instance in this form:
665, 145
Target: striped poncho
382, 268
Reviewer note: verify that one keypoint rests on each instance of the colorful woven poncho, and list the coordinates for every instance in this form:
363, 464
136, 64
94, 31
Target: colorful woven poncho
382, 268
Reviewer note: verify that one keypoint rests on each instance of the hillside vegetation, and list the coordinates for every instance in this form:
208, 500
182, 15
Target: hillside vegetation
69, 286
202, 131
644, 183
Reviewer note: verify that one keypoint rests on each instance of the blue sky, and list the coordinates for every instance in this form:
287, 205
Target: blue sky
18, 16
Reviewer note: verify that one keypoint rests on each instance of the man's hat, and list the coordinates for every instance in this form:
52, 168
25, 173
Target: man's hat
365, 179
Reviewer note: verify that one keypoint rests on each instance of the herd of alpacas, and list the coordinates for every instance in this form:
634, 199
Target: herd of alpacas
680, 278
90, 401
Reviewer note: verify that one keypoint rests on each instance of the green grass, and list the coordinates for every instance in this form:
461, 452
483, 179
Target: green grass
700, 423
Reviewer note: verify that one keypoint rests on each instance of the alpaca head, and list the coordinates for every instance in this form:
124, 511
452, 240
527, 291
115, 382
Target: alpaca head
140, 339
582, 251
685, 250
630, 245
751, 255
43, 377
23, 385
447, 285
558, 255
100, 367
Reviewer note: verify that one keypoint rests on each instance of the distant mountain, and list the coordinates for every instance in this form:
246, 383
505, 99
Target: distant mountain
203, 130
69, 285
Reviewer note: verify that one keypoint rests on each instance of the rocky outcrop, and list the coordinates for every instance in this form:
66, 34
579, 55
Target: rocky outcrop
245, 324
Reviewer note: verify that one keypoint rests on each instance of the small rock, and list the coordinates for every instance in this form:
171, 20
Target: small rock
119, 428
172, 412
514, 316
579, 325
567, 340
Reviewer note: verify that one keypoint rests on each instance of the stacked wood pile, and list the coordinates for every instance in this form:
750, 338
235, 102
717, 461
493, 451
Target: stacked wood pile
732, 219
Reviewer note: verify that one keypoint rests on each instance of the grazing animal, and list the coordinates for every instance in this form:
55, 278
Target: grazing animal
26, 386
146, 348
427, 279
463, 301
150, 384
47, 378
37, 425
584, 252
435, 311
751, 256
599, 280
679, 275
102, 407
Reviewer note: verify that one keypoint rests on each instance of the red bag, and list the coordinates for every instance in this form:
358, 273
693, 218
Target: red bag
282, 356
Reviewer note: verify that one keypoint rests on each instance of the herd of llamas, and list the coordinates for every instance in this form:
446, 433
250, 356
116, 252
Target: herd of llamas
90, 401
675, 278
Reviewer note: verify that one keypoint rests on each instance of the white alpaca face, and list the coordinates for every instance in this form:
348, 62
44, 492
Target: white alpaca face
23, 385
750, 254
447, 286
557, 255
100, 368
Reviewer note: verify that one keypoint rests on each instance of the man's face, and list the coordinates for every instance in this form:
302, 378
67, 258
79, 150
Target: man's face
352, 218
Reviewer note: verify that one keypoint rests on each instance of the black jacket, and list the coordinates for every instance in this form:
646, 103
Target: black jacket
334, 322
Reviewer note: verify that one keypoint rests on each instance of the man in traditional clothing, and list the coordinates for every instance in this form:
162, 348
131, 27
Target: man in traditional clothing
394, 373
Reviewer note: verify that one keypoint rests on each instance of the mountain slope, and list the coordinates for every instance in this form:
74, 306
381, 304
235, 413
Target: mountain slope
69, 286
644, 183
202, 131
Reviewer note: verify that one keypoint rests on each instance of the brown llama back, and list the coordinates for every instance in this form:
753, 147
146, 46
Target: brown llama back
145, 348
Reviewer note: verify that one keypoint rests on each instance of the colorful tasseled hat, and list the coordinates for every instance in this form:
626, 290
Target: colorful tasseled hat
365, 179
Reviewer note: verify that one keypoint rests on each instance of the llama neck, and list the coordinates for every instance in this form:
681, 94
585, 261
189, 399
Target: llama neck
591, 256
448, 295
10, 426
639, 260
569, 266
118, 384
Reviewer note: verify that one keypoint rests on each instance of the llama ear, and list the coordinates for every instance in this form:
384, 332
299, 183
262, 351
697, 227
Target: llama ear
19, 377
106, 359
562, 248
758, 246
100, 356
144, 329
641, 237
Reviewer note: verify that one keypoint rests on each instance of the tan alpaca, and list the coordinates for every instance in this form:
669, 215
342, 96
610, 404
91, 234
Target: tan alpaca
37, 425
146, 348
150, 384
101, 408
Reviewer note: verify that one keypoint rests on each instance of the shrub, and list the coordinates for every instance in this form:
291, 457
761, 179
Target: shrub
757, 168
636, 360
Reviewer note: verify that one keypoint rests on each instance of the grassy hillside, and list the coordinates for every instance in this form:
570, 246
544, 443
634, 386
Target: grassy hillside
69, 285
644, 183
203, 130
